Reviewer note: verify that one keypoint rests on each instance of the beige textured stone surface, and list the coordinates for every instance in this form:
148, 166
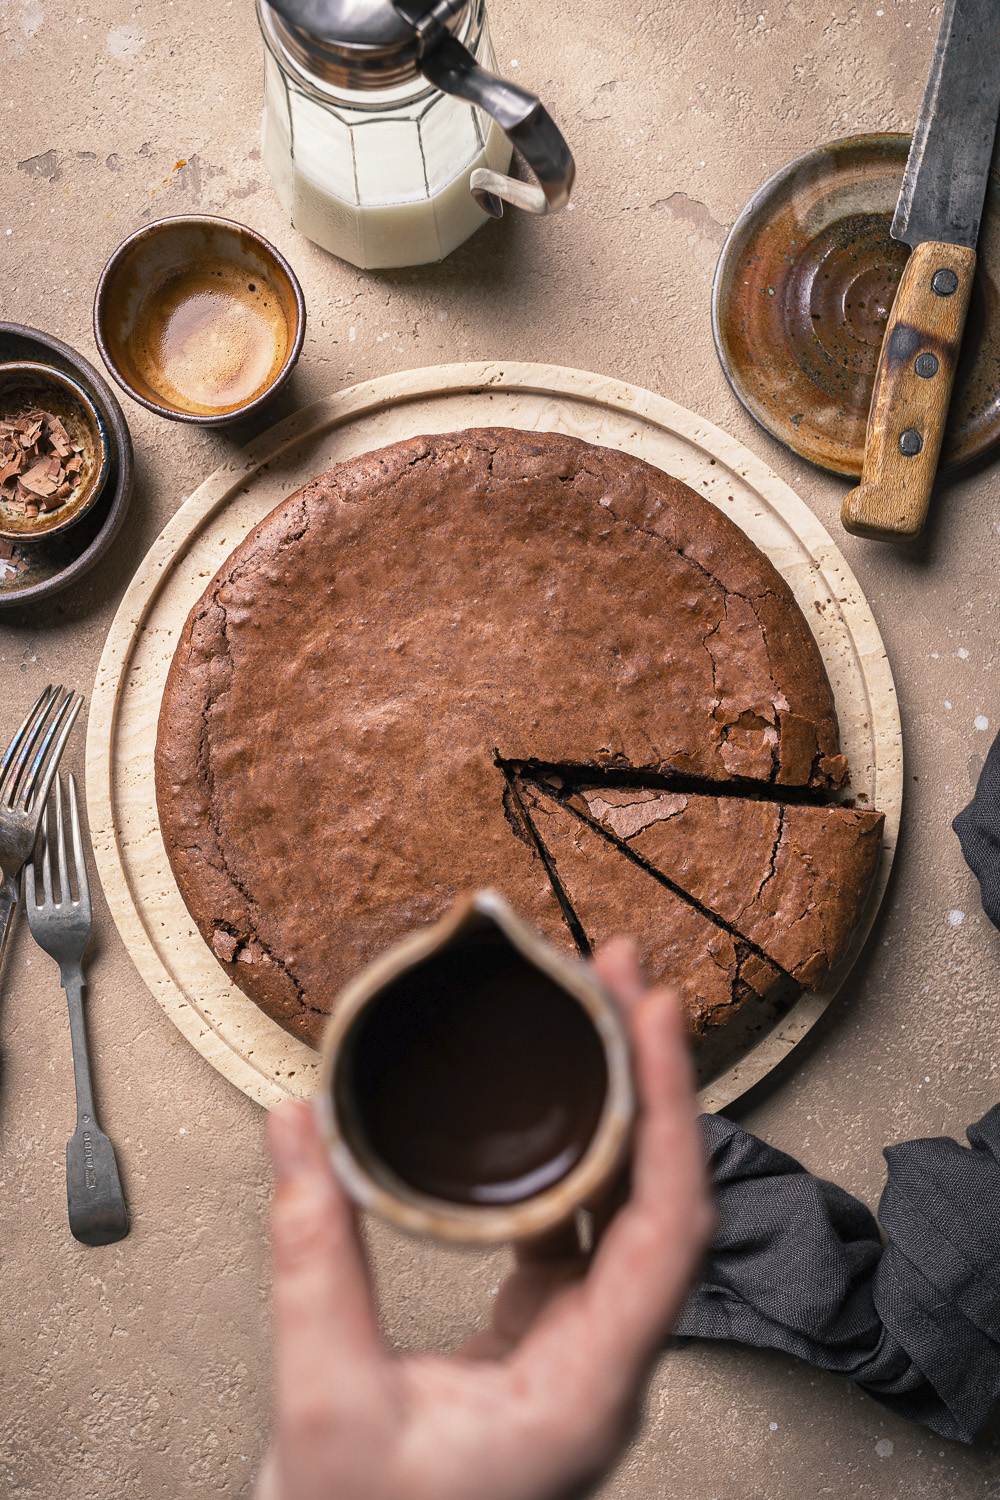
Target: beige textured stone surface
141, 1370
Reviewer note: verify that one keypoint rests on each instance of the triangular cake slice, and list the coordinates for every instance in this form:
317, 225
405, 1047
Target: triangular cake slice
610, 894
791, 878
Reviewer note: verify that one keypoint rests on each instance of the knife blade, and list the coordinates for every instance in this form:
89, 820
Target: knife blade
938, 215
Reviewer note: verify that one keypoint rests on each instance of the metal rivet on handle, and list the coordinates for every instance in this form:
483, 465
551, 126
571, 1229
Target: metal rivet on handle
926, 365
944, 281
910, 442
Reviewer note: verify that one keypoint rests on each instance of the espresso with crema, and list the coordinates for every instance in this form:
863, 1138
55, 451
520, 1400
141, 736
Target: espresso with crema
475, 1078
210, 338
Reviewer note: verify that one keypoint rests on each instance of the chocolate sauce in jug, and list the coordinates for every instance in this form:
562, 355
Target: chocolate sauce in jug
475, 1077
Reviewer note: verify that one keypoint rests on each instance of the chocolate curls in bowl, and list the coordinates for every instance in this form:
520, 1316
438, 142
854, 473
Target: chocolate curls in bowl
32, 573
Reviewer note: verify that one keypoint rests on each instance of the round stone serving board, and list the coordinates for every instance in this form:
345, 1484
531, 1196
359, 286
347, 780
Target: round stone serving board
226, 1027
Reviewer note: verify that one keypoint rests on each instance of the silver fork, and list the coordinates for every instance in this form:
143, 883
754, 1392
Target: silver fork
26, 771
60, 924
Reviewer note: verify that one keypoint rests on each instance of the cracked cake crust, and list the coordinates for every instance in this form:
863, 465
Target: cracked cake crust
716, 971
794, 877
325, 756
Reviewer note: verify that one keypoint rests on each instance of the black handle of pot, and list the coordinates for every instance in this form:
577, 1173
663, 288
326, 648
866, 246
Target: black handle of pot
521, 116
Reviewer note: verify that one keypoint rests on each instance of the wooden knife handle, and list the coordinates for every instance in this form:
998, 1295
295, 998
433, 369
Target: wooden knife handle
913, 382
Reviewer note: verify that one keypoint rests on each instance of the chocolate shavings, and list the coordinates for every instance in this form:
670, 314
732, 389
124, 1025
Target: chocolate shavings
39, 463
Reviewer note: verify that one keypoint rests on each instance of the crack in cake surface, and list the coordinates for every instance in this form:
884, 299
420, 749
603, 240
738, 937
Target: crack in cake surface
251, 946
727, 594
573, 923
716, 972
791, 878
626, 850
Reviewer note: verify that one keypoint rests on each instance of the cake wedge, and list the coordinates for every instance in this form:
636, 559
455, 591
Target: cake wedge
789, 877
609, 893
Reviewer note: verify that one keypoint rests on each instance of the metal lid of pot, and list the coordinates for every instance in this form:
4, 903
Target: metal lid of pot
358, 44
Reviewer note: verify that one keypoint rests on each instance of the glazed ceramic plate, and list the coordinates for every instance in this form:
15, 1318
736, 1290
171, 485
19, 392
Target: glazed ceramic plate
802, 294
226, 1027
41, 569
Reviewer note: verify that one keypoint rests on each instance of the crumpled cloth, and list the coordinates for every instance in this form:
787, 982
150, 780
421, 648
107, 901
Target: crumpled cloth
978, 829
910, 1312
799, 1265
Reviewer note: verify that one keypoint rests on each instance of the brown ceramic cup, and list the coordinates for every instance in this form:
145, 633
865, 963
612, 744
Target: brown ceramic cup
199, 319
480, 953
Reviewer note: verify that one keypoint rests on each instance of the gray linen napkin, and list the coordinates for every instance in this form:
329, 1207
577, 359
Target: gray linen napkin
799, 1265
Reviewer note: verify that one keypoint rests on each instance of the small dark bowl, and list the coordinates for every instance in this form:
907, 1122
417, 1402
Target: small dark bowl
38, 569
136, 290
27, 383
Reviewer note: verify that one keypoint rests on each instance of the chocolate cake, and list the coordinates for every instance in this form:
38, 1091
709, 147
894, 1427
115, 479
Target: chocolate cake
373, 679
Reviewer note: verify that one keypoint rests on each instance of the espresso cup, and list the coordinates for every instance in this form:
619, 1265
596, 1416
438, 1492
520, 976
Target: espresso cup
476, 1083
199, 319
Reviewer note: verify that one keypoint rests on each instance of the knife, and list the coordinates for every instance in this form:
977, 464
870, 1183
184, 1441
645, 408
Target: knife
937, 215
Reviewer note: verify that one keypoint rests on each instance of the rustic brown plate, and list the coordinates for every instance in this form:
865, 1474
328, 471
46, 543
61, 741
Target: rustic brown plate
42, 567
802, 294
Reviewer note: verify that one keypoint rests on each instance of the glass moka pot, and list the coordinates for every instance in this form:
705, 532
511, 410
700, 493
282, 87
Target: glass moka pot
386, 133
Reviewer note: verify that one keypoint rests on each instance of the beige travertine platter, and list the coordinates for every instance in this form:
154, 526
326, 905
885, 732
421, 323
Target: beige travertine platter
218, 1019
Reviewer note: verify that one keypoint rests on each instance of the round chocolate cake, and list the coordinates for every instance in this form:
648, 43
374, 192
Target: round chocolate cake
509, 659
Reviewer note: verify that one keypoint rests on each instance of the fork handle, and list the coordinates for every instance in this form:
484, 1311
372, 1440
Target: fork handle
75, 987
98, 1214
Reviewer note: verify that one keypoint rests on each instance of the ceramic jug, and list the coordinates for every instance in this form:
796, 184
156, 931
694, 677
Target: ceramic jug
476, 1083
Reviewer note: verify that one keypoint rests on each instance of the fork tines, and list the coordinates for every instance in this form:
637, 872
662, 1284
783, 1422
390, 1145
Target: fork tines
79, 868
18, 739
30, 760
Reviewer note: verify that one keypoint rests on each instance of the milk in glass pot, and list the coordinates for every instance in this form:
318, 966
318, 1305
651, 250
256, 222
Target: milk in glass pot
386, 133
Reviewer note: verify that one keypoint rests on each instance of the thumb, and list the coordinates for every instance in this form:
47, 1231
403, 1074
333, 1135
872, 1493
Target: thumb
267, 1480
324, 1315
